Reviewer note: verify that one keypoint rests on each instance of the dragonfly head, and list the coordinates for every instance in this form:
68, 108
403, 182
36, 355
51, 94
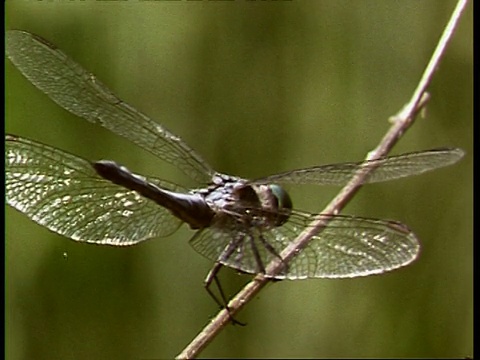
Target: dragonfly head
283, 203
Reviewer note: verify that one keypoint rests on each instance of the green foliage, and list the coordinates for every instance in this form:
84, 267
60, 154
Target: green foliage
256, 88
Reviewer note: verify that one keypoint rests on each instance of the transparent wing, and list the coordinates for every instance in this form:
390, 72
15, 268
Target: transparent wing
347, 247
79, 92
63, 193
387, 168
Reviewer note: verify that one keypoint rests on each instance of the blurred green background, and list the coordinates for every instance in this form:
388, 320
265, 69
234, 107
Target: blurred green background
256, 88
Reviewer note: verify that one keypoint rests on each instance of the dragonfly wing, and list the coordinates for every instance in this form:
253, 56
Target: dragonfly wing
387, 168
79, 92
347, 247
63, 193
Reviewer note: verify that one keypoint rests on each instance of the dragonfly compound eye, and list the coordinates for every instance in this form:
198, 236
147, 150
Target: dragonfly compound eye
284, 203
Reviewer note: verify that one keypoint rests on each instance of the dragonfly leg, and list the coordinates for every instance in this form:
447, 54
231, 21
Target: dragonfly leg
256, 254
272, 250
212, 276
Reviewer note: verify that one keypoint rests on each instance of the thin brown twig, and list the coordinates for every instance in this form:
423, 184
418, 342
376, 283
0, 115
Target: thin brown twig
400, 123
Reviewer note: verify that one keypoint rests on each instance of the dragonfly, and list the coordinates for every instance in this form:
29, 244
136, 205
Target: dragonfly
239, 223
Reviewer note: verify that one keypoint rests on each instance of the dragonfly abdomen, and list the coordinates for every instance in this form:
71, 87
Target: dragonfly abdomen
190, 208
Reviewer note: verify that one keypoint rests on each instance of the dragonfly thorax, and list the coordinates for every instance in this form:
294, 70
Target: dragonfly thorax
265, 204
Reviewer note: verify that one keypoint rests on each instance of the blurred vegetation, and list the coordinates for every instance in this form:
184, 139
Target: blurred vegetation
256, 88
